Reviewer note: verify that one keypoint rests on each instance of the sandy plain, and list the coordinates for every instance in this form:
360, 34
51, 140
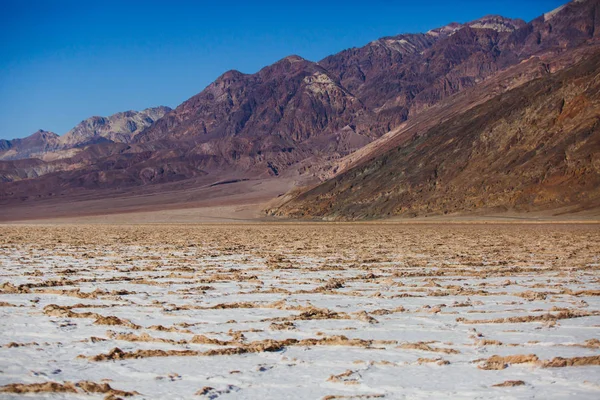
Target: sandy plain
307, 311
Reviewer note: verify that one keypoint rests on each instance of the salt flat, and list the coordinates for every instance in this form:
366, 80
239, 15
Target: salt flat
304, 311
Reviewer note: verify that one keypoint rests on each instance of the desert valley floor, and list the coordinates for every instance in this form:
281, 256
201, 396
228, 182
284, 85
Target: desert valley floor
307, 311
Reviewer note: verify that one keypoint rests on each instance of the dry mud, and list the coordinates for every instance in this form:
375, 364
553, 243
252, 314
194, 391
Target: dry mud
313, 311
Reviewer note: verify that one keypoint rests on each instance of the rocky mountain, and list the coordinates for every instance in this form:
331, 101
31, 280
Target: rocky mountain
306, 121
294, 99
119, 128
39, 142
268, 121
296, 109
534, 147
369, 89
400, 76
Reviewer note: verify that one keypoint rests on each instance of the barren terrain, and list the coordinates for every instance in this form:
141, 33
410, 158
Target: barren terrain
330, 311
211, 200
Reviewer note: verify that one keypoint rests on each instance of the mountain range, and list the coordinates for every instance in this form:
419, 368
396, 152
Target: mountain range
496, 114
118, 128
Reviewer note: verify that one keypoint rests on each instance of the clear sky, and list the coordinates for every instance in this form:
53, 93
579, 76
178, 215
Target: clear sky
62, 61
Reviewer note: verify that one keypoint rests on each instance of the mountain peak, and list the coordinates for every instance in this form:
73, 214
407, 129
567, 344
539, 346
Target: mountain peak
42, 134
287, 61
494, 22
445, 30
232, 74
287, 65
292, 58
157, 108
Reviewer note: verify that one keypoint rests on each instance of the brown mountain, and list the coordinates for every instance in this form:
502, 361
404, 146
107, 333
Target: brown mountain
268, 120
371, 89
305, 121
535, 147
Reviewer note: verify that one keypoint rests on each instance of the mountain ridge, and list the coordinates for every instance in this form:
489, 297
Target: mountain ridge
301, 120
120, 127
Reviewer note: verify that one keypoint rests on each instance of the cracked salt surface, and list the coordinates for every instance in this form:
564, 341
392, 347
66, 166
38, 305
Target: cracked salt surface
300, 311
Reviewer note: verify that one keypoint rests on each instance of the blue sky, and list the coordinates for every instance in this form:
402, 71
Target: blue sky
62, 61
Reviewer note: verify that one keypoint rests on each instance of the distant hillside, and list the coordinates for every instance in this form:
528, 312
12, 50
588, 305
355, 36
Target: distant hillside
119, 128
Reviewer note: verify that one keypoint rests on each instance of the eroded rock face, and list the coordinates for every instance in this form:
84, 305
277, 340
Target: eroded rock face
403, 75
535, 147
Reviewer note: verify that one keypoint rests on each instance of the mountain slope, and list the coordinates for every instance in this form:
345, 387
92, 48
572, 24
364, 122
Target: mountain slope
534, 147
